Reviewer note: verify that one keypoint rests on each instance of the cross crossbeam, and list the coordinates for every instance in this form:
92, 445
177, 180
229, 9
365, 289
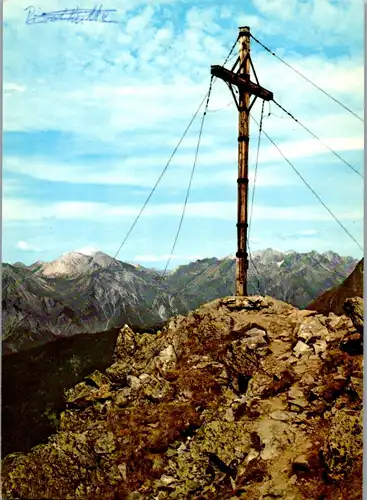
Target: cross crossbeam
242, 83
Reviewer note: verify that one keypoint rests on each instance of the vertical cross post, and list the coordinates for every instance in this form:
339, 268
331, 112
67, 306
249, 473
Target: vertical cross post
241, 79
243, 153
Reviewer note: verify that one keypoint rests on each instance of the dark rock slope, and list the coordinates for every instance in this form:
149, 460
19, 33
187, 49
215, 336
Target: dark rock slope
334, 299
244, 398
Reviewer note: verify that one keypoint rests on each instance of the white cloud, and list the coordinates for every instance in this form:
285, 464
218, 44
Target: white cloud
27, 247
344, 20
308, 232
11, 187
13, 87
143, 170
23, 210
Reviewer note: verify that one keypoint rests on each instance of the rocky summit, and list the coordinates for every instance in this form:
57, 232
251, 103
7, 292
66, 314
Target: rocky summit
243, 398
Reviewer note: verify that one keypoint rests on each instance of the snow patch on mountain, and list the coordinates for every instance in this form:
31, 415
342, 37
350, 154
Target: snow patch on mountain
71, 263
90, 251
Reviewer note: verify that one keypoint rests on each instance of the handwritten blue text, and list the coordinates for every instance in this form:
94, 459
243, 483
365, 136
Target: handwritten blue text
75, 16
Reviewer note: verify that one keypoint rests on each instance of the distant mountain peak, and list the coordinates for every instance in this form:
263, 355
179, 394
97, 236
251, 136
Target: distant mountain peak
69, 263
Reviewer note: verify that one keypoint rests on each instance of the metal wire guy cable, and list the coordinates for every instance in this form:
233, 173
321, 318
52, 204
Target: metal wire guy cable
256, 168
321, 141
253, 199
230, 52
256, 271
310, 188
307, 79
160, 177
190, 181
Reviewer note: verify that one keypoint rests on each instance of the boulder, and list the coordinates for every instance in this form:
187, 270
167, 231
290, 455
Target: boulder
126, 344
118, 372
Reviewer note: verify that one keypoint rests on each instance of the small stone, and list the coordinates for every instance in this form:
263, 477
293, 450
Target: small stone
167, 480
297, 397
166, 359
105, 444
283, 335
301, 348
307, 380
282, 416
312, 328
84, 395
125, 345
97, 378
283, 357
254, 338
293, 479
269, 452
118, 372
301, 418
357, 386
255, 332
322, 319
252, 455
333, 321
320, 346
158, 390
301, 461
123, 471
304, 334
228, 416
133, 382
292, 360
123, 397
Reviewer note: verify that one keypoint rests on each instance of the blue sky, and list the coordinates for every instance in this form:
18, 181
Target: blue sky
93, 111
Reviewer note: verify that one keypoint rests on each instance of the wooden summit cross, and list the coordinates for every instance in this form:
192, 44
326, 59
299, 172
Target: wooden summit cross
241, 79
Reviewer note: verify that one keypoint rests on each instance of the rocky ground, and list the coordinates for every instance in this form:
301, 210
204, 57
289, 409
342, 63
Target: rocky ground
243, 398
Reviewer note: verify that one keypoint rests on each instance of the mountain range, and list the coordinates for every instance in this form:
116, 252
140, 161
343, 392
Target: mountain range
80, 293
